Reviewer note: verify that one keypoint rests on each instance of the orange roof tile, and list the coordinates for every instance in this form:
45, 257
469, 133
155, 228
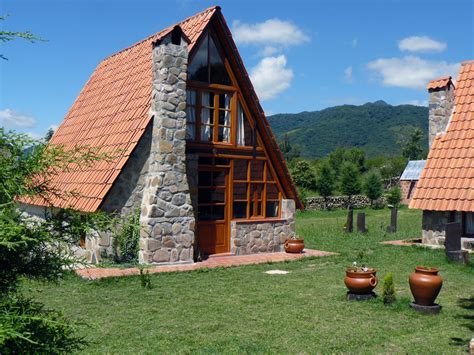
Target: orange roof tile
439, 83
447, 181
111, 112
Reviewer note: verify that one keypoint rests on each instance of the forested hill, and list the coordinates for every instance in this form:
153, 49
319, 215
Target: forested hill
378, 128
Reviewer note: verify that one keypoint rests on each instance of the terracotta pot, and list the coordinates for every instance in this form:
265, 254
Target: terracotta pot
425, 284
294, 245
361, 282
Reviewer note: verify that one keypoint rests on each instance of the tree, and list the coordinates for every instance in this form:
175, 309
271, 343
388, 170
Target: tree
350, 180
326, 181
48, 135
373, 186
394, 196
336, 158
7, 36
357, 157
413, 148
303, 175
290, 152
33, 249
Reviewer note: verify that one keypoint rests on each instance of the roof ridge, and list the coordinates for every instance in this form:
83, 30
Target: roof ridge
442, 78
465, 62
209, 9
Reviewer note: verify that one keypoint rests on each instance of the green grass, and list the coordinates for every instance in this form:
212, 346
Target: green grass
244, 310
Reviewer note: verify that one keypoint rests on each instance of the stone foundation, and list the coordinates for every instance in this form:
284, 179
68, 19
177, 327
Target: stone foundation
434, 227
250, 237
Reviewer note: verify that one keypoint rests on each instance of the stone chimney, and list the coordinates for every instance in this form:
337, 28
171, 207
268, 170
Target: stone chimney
167, 218
441, 105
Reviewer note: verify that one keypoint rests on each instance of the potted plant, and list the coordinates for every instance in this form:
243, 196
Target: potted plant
360, 280
425, 284
294, 245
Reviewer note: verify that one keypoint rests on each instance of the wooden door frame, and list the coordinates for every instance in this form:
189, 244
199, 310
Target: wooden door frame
227, 206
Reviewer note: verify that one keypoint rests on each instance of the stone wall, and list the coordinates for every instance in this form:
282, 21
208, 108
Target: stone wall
338, 202
250, 237
440, 108
167, 217
434, 227
126, 194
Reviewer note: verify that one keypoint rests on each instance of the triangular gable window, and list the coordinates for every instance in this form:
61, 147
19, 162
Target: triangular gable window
207, 64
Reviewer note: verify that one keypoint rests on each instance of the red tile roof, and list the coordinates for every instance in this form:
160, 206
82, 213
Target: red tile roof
439, 83
447, 181
111, 112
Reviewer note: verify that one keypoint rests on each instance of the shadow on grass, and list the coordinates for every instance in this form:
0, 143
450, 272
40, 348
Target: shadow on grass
467, 304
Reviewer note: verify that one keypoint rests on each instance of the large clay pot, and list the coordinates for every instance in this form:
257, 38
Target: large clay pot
361, 282
294, 245
425, 284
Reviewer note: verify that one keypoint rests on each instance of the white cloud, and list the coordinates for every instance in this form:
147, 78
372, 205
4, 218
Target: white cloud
13, 119
270, 77
355, 42
416, 102
410, 71
421, 44
348, 75
274, 34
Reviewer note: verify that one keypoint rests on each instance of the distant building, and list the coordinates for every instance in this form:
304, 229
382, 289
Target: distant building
445, 190
410, 178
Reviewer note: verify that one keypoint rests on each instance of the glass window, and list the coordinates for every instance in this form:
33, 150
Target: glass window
219, 73
191, 114
207, 114
198, 69
240, 209
240, 169
256, 170
244, 130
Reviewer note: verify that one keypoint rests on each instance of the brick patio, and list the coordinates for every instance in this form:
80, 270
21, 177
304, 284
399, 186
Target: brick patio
213, 262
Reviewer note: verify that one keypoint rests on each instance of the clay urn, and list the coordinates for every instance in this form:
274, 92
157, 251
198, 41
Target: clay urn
425, 284
360, 282
294, 245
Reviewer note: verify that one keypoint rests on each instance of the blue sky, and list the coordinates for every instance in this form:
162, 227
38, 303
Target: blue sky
302, 55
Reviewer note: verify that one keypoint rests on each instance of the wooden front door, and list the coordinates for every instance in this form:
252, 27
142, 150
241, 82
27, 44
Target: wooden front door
213, 210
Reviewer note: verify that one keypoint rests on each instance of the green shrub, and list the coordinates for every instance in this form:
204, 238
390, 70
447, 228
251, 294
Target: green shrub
145, 278
303, 175
350, 180
126, 241
388, 293
26, 327
326, 181
373, 186
394, 196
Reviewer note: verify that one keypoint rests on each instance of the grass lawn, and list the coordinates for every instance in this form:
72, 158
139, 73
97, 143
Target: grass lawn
244, 310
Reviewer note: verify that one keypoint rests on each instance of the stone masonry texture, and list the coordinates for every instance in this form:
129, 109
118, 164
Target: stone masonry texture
167, 217
440, 109
266, 236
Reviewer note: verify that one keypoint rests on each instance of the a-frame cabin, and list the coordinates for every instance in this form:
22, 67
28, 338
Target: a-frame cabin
195, 151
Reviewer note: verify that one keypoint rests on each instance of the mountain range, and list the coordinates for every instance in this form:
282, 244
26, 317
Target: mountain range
376, 127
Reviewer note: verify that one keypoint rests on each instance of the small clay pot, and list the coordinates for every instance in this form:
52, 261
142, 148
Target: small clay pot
425, 284
361, 282
294, 245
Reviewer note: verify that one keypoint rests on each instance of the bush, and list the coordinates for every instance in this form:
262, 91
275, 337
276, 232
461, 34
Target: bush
394, 196
26, 327
373, 186
326, 181
350, 180
388, 293
303, 175
126, 241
